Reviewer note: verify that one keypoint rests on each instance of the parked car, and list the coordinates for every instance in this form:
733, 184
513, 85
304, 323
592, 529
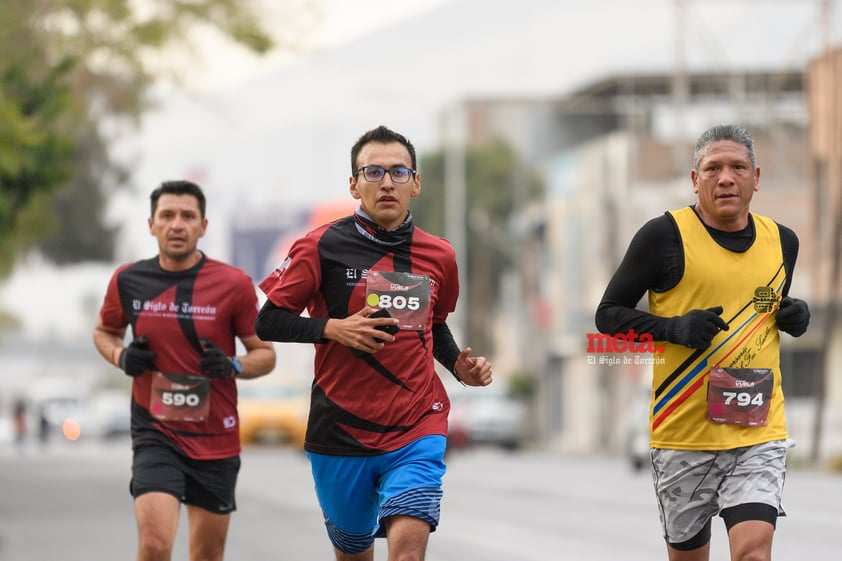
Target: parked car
109, 414
272, 412
8, 434
53, 400
486, 416
637, 446
637, 432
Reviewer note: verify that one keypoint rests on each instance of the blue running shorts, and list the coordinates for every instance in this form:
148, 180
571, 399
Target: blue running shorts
356, 493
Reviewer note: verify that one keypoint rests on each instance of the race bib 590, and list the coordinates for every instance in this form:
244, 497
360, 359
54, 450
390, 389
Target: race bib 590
179, 397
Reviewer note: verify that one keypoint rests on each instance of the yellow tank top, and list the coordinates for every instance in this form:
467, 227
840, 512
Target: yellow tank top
742, 283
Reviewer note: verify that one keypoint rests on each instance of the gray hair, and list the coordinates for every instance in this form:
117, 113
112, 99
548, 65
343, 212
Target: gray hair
723, 132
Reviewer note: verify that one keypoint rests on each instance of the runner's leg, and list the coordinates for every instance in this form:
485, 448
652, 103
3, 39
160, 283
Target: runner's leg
407, 538
367, 555
751, 539
698, 554
208, 532
157, 521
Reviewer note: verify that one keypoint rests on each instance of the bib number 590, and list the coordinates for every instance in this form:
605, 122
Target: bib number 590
180, 399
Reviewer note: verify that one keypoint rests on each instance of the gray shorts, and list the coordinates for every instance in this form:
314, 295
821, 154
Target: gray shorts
693, 486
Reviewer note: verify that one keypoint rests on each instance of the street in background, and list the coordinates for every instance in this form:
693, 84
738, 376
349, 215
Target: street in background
69, 501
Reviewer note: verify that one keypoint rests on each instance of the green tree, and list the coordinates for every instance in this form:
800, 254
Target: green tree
497, 184
71, 68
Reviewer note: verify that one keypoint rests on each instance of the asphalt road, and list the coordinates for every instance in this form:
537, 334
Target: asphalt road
69, 502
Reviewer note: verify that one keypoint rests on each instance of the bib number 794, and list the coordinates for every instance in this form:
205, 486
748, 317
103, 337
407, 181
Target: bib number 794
743, 399
739, 396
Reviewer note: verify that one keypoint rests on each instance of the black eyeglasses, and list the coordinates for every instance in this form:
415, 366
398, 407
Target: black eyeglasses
399, 174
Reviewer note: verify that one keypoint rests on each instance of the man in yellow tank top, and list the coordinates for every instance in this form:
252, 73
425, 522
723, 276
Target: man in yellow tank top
718, 278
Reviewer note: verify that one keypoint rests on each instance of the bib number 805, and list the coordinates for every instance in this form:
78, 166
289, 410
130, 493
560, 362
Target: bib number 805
180, 399
399, 302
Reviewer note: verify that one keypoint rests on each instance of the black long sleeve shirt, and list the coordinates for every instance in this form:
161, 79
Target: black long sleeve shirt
654, 261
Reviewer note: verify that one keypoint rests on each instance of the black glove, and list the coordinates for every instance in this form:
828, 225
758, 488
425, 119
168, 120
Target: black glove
793, 316
215, 363
137, 358
696, 328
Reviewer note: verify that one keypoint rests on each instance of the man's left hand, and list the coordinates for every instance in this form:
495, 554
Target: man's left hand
214, 362
472, 370
793, 316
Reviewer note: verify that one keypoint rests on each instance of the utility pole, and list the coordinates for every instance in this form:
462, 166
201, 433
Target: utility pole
833, 185
455, 209
680, 87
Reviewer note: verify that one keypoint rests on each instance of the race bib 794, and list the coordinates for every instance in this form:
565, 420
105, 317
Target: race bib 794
739, 396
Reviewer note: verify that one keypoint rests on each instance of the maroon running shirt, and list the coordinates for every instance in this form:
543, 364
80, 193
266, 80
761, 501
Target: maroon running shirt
174, 309
383, 401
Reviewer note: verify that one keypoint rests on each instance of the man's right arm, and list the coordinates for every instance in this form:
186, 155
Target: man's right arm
109, 342
280, 325
654, 261
649, 263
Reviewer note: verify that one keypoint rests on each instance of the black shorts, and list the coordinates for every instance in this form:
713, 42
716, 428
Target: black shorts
208, 484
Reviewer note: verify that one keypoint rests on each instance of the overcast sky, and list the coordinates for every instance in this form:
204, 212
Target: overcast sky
278, 133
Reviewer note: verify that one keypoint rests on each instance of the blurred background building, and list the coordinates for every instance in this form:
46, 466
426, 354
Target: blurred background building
617, 153
613, 158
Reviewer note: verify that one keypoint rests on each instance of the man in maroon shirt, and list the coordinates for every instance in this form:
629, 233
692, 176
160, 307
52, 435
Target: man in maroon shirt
377, 290
185, 311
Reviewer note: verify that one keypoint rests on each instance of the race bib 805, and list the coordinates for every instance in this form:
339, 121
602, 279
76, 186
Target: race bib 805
405, 295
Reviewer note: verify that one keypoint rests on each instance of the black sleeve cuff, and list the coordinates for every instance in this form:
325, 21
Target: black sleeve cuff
445, 349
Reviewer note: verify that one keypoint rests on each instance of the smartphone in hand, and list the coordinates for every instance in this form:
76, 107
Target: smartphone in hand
390, 329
